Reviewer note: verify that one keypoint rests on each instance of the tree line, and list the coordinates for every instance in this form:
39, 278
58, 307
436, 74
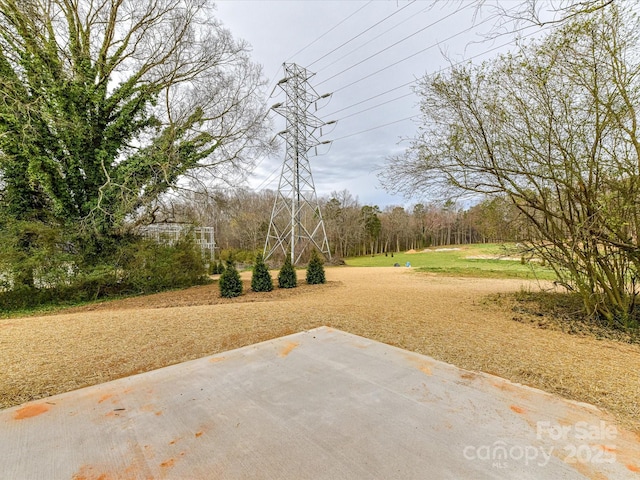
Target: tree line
240, 218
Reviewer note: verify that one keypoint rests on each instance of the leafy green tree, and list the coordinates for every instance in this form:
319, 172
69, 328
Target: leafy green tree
261, 280
315, 270
230, 282
106, 106
287, 277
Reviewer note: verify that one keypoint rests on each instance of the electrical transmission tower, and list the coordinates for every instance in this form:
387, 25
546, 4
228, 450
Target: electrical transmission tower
296, 224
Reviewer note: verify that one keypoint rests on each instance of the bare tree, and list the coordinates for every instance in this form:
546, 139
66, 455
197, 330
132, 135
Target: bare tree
514, 16
553, 127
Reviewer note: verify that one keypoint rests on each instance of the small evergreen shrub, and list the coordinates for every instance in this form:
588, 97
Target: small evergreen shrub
261, 278
216, 268
315, 270
230, 283
287, 276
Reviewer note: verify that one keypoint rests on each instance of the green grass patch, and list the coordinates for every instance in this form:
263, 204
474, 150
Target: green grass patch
481, 260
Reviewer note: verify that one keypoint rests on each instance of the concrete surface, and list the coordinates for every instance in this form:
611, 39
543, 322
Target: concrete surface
322, 404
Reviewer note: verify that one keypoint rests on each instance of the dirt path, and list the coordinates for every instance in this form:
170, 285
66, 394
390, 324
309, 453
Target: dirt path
447, 318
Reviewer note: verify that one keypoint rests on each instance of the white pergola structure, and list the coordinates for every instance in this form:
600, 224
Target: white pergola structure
169, 233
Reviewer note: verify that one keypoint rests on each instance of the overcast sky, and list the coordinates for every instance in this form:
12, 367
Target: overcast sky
358, 50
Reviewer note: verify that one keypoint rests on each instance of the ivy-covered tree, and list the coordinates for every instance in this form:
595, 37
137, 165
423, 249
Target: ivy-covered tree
261, 280
315, 270
105, 106
287, 276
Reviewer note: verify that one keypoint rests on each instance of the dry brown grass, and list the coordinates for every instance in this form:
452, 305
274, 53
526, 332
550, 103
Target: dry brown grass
447, 318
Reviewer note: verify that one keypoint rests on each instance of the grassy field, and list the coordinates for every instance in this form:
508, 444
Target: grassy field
478, 260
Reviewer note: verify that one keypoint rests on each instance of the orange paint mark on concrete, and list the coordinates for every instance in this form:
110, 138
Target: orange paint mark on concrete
86, 473
168, 463
29, 411
517, 409
199, 434
158, 413
216, 359
505, 386
105, 397
468, 375
633, 468
420, 364
287, 349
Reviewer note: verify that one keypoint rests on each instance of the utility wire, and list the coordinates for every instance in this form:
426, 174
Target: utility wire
374, 106
396, 43
404, 84
419, 52
271, 82
329, 31
376, 128
371, 98
268, 179
361, 33
374, 38
448, 67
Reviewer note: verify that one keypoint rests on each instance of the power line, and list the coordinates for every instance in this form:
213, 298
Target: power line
374, 106
387, 48
330, 30
361, 33
448, 67
418, 53
395, 88
371, 98
374, 38
394, 44
376, 128
268, 179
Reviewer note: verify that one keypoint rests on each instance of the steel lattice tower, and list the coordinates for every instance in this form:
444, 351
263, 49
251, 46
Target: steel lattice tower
296, 220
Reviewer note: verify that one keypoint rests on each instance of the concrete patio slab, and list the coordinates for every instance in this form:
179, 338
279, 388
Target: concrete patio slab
322, 404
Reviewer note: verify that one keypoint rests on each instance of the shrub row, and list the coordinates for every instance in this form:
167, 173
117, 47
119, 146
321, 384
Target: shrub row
231, 285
